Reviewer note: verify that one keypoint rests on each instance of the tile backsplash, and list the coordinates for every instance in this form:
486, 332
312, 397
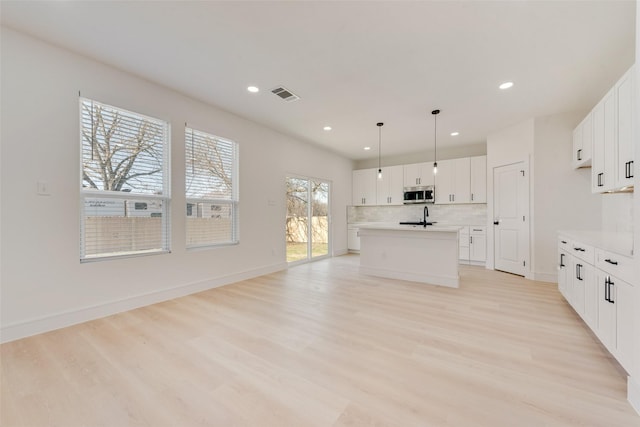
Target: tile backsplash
463, 214
617, 212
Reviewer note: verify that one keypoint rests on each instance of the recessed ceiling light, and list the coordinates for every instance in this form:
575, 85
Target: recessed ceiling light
327, 128
367, 148
506, 85
455, 133
253, 89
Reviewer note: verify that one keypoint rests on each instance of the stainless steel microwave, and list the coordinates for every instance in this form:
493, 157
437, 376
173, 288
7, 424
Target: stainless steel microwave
424, 194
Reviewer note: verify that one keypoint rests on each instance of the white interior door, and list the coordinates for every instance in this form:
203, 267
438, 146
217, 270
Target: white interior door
511, 222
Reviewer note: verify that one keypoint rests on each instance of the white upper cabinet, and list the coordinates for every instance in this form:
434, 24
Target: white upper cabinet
364, 187
624, 91
418, 174
479, 179
582, 143
604, 132
461, 180
390, 188
613, 166
453, 181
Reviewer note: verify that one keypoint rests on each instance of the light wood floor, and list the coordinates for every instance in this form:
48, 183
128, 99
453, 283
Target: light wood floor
320, 345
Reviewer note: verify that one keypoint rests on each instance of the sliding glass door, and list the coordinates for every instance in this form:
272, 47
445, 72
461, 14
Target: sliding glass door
307, 223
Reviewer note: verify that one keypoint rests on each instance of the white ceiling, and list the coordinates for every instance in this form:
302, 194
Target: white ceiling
357, 63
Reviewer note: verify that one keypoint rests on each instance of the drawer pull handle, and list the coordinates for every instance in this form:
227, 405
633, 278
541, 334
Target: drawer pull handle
611, 262
564, 242
579, 249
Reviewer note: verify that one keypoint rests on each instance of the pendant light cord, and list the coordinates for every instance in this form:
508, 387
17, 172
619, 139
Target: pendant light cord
435, 137
379, 148
435, 140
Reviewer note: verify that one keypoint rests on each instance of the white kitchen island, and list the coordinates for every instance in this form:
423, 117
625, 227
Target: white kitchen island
415, 253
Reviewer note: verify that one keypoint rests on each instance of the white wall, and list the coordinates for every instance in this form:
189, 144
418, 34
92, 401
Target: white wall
455, 152
562, 195
504, 147
44, 286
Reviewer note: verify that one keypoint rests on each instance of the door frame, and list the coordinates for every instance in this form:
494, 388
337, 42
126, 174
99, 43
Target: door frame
310, 256
490, 264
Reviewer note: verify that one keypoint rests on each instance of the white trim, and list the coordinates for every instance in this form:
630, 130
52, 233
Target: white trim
633, 394
340, 252
546, 277
40, 325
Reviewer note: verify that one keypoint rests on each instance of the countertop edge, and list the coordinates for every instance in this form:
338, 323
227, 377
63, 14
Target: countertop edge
620, 243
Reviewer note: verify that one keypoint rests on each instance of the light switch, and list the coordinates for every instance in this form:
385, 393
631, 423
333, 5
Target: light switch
43, 188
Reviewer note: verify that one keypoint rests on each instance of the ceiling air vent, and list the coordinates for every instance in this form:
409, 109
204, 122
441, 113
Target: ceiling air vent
285, 94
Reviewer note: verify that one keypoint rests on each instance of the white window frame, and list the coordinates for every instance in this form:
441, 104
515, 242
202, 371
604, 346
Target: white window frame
165, 197
233, 202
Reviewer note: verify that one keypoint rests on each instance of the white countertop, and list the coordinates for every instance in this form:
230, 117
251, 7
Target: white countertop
413, 228
619, 243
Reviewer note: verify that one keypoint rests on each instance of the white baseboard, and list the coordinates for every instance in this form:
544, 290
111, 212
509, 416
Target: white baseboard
340, 252
633, 393
546, 277
15, 331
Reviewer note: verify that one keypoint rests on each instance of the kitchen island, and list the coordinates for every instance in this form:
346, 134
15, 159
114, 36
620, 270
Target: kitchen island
416, 253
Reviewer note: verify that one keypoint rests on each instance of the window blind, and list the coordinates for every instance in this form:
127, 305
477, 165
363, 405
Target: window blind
211, 189
124, 183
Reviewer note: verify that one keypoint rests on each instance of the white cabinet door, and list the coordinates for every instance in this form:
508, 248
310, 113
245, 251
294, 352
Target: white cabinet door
578, 295
604, 133
623, 295
390, 187
364, 187
625, 108
616, 317
590, 296
444, 182
478, 244
582, 143
479, 179
464, 245
418, 174
606, 312
462, 180
353, 239
563, 269
453, 181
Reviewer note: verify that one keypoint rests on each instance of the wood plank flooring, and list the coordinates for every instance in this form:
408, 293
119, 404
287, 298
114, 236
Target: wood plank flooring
321, 345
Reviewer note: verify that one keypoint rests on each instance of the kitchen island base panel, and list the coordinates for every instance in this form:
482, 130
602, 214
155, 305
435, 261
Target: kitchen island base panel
426, 256
448, 281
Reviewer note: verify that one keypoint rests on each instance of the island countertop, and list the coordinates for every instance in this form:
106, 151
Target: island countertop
411, 252
418, 228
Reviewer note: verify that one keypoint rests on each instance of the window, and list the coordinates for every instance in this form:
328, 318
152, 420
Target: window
125, 182
211, 189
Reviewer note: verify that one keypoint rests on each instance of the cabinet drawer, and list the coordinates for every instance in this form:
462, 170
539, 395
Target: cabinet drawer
475, 230
564, 243
582, 251
614, 264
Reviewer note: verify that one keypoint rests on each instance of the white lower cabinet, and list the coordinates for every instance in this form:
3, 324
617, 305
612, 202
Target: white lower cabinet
587, 279
472, 245
616, 298
477, 244
353, 239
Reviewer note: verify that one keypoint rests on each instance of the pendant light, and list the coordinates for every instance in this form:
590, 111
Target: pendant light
379, 148
435, 145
